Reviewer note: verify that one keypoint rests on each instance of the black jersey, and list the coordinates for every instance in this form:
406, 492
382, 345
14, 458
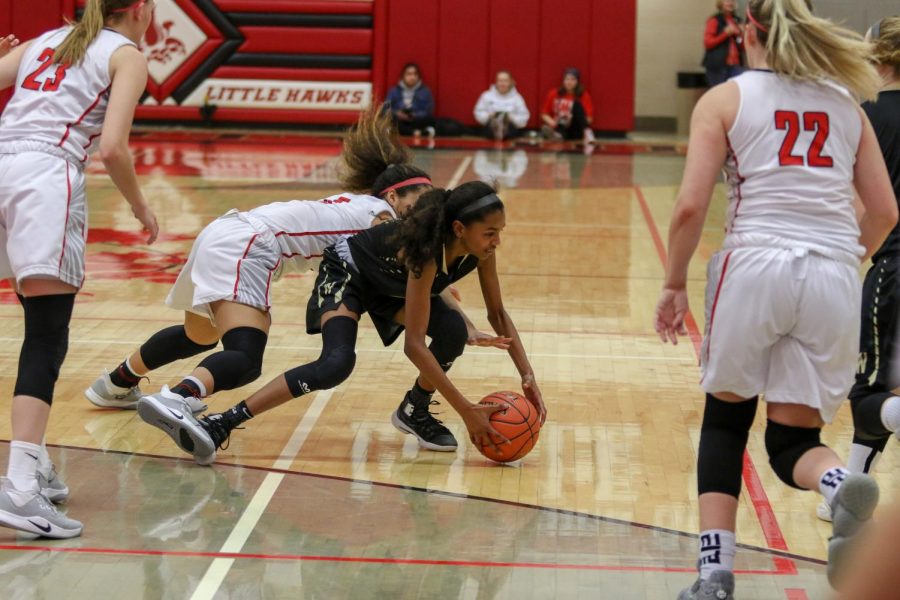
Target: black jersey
884, 114
375, 252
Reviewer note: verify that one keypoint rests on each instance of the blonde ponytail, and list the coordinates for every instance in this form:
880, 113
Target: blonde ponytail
887, 43
72, 49
802, 46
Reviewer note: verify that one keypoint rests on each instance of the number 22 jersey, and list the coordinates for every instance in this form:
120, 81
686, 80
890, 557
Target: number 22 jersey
791, 153
62, 106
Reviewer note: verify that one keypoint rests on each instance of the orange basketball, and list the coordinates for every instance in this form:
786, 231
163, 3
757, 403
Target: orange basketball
520, 424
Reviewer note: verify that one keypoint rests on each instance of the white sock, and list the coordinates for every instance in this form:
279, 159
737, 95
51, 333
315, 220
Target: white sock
199, 385
23, 464
717, 550
830, 482
862, 459
44, 462
890, 414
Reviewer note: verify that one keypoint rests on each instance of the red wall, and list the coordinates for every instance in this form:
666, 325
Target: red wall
22, 19
460, 44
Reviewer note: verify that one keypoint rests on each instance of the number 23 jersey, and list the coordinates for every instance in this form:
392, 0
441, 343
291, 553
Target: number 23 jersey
61, 105
791, 153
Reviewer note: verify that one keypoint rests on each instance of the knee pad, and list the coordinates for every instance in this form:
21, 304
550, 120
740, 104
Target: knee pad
867, 423
241, 360
448, 333
169, 345
45, 345
723, 439
786, 444
335, 363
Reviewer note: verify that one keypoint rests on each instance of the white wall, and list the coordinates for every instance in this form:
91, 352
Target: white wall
670, 39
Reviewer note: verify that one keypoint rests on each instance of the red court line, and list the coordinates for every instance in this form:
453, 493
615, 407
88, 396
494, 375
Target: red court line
795, 594
767, 521
366, 559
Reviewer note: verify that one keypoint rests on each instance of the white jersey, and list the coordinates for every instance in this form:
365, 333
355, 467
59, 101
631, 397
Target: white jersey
792, 149
60, 106
303, 229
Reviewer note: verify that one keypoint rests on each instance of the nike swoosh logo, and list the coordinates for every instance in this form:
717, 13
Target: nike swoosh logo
41, 527
178, 416
32, 455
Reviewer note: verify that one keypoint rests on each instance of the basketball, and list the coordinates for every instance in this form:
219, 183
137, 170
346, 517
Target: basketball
520, 424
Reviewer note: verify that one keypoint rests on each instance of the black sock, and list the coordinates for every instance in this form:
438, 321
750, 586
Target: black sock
124, 377
187, 389
420, 394
237, 415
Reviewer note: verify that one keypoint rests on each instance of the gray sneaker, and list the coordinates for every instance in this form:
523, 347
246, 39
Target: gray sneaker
172, 414
31, 511
104, 393
852, 506
52, 486
719, 586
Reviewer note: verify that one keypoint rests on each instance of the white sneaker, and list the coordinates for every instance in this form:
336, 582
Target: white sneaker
589, 136
172, 414
52, 486
851, 507
104, 393
31, 511
823, 511
719, 586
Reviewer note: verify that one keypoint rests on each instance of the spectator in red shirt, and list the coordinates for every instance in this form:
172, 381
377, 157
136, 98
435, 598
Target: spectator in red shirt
724, 56
568, 111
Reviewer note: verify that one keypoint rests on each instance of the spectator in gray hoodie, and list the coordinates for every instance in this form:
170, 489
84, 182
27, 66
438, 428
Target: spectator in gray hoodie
501, 109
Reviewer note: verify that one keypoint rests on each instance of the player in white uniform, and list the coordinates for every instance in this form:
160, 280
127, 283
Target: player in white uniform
783, 293
224, 287
72, 85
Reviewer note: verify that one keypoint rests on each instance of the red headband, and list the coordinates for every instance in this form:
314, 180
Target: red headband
756, 23
407, 182
138, 4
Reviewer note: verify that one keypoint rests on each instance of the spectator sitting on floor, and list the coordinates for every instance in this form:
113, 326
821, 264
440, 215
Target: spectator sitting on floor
501, 109
568, 110
411, 103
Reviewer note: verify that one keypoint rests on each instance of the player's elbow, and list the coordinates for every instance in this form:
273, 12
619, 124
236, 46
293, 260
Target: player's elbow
113, 153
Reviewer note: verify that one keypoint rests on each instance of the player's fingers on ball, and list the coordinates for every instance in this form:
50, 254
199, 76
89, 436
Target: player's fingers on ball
495, 435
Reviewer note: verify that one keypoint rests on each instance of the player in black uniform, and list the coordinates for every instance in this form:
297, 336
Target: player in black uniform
398, 272
876, 408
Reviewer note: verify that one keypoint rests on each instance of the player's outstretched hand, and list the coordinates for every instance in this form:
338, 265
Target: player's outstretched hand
145, 215
486, 340
670, 313
533, 393
8, 43
478, 421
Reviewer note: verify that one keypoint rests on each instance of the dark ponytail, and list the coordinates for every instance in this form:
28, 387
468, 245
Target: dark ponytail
428, 225
375, 159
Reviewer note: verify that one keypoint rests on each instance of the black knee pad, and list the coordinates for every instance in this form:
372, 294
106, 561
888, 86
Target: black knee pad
448, 333
786, 444
241, 360
335, 363
168, 345
723, 439
867, 422
45, 345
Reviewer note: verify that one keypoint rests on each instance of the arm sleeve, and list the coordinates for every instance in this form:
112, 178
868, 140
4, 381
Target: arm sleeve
483, 109
710, 39
423, 107
588, 103
520, 113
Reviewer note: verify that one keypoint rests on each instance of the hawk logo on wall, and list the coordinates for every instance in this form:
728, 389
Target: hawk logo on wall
185, 42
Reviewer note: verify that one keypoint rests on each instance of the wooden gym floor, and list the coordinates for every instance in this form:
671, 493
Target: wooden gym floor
323, 498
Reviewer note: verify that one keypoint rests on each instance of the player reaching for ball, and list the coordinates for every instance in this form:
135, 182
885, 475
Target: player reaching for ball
395, 271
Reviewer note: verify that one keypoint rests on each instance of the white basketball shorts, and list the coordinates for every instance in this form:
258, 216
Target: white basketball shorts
783, 323
234, 259
43, 218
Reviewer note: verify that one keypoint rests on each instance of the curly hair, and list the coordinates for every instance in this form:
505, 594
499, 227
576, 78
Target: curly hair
428, 225
374, 157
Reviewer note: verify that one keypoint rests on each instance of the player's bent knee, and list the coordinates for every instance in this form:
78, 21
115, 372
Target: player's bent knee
336, 366
786, 445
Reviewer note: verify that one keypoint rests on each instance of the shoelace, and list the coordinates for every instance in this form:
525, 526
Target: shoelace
219, 433
423, 416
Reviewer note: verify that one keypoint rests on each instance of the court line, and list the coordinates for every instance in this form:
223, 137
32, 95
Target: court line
758, 497
459, 172
218, 570
796, 594
232, 556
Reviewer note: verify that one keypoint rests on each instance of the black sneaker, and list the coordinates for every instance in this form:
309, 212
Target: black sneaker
415, 418
218, 429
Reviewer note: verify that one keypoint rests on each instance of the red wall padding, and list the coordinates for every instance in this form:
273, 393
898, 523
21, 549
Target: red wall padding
460, 44
306, 40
